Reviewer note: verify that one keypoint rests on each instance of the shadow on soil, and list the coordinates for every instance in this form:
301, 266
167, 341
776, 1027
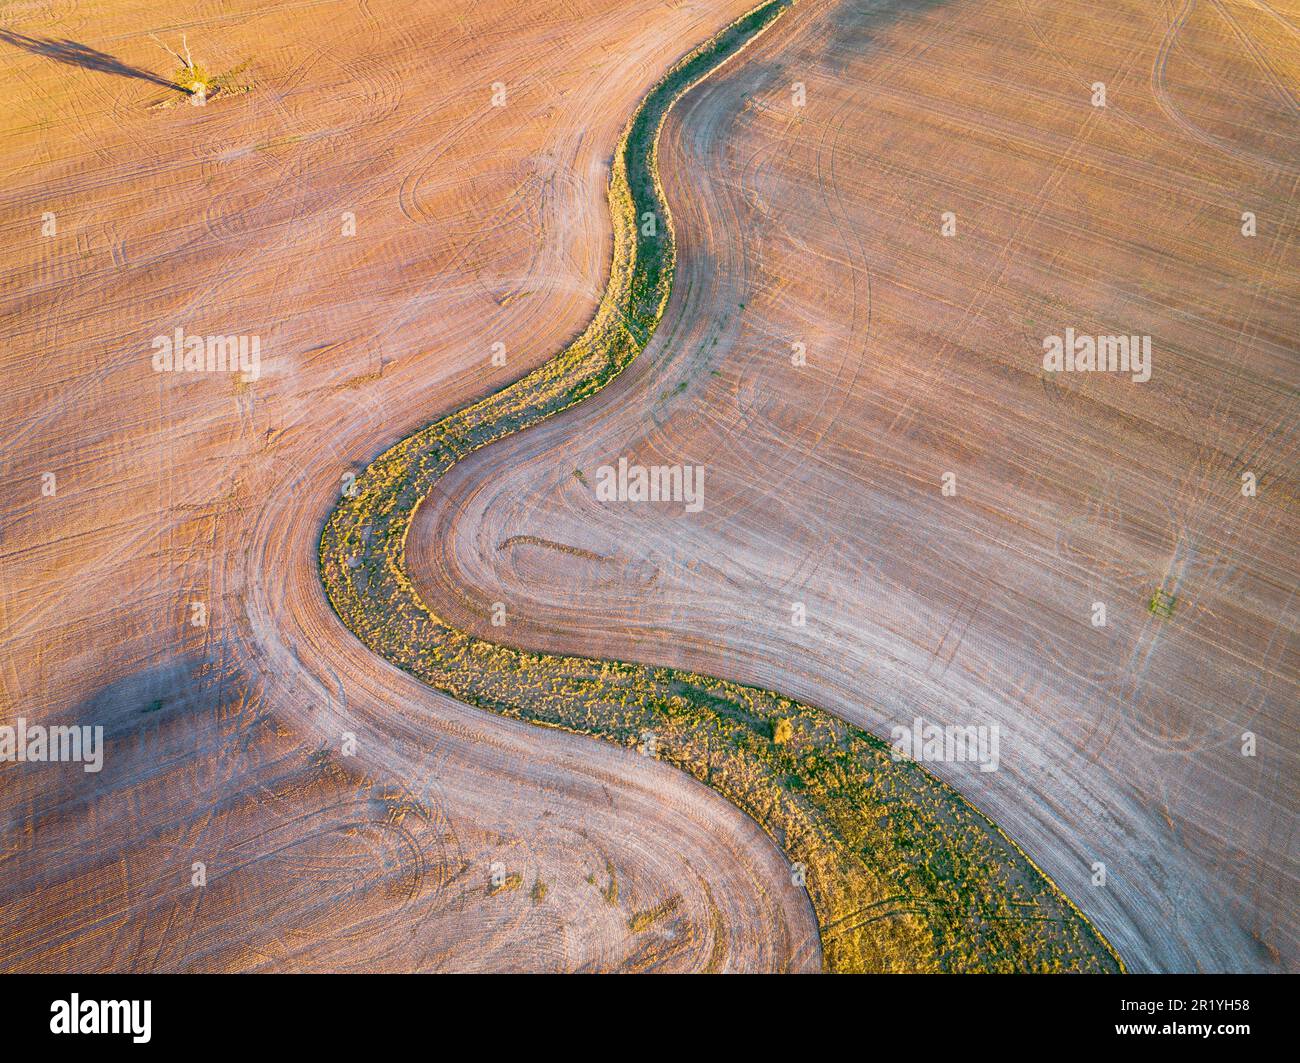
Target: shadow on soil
80, 55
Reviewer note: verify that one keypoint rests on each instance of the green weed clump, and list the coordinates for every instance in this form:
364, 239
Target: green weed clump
1162, 603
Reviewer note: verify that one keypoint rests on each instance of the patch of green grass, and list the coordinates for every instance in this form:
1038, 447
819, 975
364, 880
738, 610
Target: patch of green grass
1162, 603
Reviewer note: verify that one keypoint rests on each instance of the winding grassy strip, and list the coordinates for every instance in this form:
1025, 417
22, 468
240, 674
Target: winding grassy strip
903, 874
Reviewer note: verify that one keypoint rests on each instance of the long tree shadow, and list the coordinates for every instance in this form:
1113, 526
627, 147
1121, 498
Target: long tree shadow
82, 55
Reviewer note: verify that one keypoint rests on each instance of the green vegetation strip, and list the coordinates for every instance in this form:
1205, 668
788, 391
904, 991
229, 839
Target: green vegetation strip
902, 873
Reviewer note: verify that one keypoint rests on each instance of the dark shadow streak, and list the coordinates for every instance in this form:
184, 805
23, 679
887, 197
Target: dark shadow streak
82, 55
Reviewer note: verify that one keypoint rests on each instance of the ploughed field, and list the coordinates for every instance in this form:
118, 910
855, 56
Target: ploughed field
1122, 768
274, 795
450, 839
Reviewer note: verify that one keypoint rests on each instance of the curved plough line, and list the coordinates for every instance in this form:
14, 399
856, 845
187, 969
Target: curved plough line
902, 873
